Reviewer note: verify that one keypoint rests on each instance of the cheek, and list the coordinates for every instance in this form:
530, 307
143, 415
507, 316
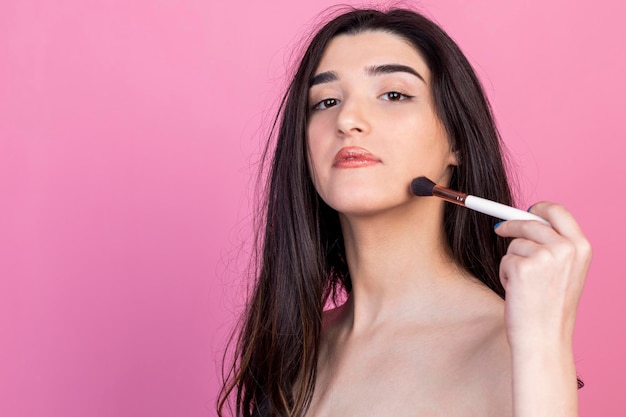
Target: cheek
314, 155
318, 143
321, 150
421, 147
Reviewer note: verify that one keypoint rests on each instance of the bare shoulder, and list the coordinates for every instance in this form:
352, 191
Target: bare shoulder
488, 365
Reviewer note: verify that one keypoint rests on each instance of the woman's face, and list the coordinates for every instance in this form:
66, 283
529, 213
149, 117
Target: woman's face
372, 124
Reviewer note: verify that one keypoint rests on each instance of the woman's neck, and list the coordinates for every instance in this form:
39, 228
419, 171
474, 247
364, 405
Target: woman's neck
400, 263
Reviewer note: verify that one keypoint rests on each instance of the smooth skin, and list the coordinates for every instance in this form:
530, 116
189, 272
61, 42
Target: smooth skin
419, 336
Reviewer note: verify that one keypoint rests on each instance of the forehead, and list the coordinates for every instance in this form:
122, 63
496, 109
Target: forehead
348, 52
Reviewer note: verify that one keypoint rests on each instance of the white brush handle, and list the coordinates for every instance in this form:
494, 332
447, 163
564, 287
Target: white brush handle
500, 211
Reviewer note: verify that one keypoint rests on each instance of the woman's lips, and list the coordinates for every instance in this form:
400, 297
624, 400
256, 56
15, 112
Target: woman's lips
354, 157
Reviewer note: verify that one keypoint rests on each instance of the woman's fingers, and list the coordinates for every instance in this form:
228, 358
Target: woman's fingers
566, 225
559, 217
565, 239
523, 247
527, 229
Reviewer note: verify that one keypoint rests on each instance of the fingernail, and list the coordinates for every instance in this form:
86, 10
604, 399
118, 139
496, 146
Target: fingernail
497, 225
529, 209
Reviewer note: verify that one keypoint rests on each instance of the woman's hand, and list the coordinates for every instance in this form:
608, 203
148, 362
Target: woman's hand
543, 274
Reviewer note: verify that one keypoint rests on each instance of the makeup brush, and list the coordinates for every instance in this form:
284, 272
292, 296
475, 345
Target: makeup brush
423, 187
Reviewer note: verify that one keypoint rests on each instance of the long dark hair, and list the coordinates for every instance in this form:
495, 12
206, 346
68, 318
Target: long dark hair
302, 261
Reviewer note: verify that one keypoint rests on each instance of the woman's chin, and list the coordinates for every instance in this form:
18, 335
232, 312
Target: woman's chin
357, 207
365, 197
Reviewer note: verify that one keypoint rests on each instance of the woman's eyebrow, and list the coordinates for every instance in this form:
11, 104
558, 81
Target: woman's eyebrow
323, 77
329, 76
390, 68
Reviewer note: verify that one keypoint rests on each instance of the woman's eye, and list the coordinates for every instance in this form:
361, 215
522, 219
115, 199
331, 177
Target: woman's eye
326, 103
395, 96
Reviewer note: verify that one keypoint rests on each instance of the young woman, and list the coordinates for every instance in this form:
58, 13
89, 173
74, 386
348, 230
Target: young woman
378, 99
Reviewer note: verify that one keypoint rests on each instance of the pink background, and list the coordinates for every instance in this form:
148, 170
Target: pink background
129, 133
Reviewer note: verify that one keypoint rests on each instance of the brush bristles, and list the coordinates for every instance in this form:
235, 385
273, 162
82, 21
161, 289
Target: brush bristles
422, 187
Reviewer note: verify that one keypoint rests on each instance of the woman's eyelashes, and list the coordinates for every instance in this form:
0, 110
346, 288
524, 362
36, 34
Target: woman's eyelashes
325, 104
395, 96
388, 96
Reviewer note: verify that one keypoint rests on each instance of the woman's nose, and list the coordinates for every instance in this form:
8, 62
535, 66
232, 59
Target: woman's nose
352, 118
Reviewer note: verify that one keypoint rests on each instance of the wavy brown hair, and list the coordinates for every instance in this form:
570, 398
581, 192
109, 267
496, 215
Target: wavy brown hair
301, 255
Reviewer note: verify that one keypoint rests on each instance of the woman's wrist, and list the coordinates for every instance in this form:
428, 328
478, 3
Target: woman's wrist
530, 343
544, 379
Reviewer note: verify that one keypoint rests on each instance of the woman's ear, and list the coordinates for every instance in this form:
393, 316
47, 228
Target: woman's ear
455, 157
